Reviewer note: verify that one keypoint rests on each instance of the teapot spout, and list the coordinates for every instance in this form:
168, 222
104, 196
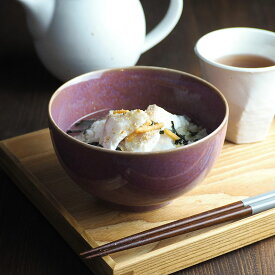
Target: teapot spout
39, 15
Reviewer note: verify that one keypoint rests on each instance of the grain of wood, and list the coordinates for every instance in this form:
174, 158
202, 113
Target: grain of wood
37, 172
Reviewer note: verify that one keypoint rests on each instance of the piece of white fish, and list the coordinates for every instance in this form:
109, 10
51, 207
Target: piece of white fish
158, 114
120, 125
93, 133
142, 142
164, 143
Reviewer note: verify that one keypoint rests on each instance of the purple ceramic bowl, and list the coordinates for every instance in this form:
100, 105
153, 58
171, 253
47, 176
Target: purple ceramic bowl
137, 181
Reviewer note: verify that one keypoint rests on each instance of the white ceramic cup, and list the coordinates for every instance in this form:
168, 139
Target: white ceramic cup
250, 92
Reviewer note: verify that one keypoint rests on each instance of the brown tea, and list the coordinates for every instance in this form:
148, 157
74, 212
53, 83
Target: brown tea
245, 61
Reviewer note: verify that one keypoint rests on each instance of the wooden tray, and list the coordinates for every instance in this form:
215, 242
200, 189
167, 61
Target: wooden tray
241, 171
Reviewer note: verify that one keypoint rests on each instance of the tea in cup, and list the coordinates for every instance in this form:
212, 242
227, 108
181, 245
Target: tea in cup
240, 62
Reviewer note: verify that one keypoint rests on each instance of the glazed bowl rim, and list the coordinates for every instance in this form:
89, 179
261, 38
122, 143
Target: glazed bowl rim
78, 79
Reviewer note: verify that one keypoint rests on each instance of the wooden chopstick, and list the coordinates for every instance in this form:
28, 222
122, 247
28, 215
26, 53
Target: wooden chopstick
199, 224
225, 213
166, 227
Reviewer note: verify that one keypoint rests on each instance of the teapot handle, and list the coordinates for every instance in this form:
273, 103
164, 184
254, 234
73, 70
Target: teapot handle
165, 26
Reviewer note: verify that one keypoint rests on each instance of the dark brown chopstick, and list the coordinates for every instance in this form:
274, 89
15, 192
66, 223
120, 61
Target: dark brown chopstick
237, 210
189, 227
164, 228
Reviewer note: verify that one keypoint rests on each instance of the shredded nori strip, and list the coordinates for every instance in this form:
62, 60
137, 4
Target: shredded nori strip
95, 144
73, 131
99, 145
161, 132
192, 134
173, 128
85, 122
182, 140
83, 125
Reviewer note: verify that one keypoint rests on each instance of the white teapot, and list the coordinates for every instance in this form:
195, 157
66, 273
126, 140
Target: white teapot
72, 37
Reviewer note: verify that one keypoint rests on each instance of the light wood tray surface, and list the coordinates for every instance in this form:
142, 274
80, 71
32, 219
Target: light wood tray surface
241, 171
